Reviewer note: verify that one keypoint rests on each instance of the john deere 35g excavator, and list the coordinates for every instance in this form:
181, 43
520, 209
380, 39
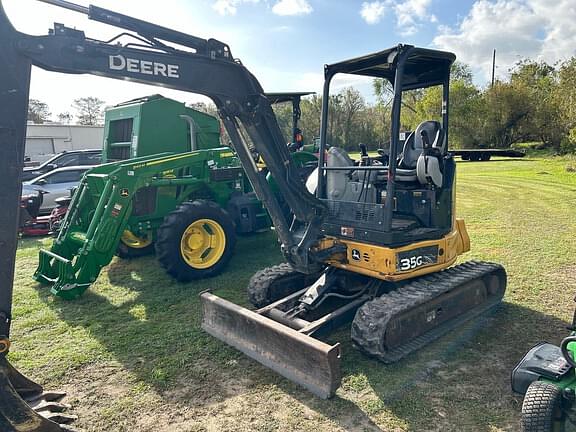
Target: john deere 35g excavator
370, 239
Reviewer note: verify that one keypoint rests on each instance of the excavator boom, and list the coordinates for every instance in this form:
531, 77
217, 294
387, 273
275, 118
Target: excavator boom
157, 56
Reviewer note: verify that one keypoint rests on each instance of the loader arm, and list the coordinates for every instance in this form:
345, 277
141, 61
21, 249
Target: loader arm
208, 69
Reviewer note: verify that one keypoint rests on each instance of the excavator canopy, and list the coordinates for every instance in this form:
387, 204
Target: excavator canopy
422, 68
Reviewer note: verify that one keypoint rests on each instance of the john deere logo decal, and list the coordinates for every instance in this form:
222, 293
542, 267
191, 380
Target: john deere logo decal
124, 192
355, 254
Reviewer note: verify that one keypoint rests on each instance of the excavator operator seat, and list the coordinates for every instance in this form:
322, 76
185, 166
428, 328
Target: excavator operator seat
429, 138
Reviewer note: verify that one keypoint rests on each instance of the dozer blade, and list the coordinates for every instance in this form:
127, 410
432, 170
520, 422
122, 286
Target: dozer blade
309, 362
25, 407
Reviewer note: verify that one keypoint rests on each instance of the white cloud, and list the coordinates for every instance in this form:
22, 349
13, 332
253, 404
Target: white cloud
537, 29
373, 12
409, 14
229, 7
292, 7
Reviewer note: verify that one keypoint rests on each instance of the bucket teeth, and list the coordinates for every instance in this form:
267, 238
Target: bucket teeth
25, 407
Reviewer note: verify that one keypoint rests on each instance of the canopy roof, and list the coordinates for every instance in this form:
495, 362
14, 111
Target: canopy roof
423, 68
275, 98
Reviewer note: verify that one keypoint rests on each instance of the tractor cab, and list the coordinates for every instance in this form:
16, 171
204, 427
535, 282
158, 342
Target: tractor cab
297, 139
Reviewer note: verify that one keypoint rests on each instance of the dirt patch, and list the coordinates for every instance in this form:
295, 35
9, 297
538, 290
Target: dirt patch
108, 397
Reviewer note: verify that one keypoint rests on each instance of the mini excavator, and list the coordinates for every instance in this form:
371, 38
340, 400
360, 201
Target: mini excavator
368, 240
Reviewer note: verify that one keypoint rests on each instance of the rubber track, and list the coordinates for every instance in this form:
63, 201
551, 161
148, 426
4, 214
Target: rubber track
371, 319
260, 284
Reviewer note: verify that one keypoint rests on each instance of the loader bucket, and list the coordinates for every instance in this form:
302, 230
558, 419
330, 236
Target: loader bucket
20, 399
309, 362
59, 272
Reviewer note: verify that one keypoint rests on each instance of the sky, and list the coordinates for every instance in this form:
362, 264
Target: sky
285, 43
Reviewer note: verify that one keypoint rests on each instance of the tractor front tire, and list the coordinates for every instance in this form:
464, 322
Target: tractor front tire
542, 408
195, 241
126, 252
132, 246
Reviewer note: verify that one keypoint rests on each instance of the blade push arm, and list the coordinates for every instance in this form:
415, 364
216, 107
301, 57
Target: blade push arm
209, 70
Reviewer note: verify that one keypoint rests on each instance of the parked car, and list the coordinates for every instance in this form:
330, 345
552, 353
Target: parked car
64, 159
55, 184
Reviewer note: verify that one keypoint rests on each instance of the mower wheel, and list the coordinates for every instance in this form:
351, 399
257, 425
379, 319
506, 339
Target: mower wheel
542, 408
276, 282
196, 240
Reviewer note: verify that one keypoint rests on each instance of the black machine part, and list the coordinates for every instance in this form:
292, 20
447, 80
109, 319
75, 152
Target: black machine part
544, 360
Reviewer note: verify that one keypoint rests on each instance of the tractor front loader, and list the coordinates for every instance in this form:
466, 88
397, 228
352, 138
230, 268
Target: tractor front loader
147, 200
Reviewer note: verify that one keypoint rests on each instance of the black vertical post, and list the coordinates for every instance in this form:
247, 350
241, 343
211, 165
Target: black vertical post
446, 108
296, 113
395, 136
493, 65
14, 89
323, 134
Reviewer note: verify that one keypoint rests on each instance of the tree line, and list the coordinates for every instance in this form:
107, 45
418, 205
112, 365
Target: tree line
88, 111
536, 103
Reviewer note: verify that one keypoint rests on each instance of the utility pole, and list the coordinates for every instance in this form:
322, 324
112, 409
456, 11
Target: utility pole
493, 65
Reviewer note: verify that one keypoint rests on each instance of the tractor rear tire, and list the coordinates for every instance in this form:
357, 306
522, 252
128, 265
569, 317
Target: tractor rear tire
542, 408
195, 241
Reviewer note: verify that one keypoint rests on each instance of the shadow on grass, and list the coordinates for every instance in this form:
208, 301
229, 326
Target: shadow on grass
153, 330
151, 324
461, 382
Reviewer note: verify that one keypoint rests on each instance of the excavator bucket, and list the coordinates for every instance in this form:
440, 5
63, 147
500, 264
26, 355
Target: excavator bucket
25, 407
309, 362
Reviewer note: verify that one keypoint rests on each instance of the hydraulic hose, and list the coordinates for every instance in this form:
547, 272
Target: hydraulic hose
566, 351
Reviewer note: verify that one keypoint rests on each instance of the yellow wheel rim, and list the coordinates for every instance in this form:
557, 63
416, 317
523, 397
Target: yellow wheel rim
203, 243
133, 241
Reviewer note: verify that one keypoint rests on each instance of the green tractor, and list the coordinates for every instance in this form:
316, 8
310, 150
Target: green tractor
186, 204
546, 376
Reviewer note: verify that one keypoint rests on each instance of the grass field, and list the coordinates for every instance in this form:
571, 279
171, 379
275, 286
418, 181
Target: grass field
132, 357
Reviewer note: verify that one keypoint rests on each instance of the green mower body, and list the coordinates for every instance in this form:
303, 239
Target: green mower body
546, 376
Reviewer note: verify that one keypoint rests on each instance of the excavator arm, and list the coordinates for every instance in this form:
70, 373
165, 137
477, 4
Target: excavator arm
206, 67
157, 56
